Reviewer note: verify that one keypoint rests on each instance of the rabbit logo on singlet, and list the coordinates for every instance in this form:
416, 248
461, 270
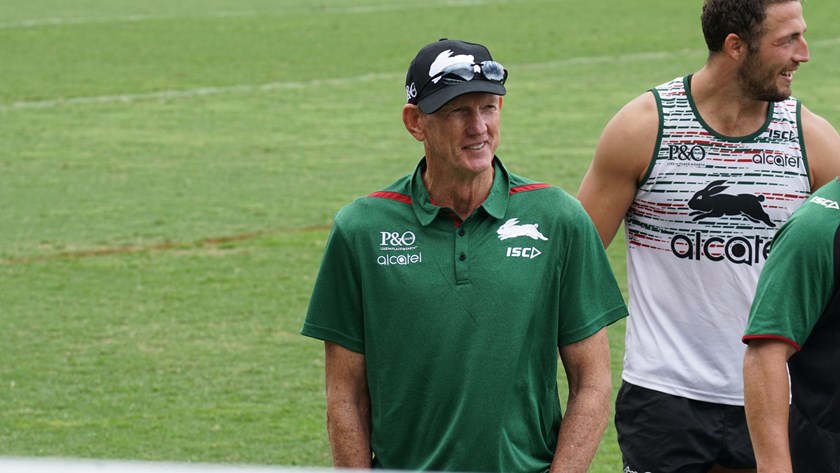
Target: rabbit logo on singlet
709, 203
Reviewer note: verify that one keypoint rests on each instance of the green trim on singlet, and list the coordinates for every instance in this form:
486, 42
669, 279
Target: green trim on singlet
802, 138
659, 133
715, 133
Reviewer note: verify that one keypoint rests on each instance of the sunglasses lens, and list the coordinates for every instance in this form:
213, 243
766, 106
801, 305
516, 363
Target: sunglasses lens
458, 73
465, 71
492, 70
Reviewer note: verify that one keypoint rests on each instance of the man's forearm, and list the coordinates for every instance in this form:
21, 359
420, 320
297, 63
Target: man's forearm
348, 407
583, 426
349, 433
766, 399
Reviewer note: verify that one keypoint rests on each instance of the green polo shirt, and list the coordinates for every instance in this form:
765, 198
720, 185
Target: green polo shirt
460, 322
798, 280
797, 301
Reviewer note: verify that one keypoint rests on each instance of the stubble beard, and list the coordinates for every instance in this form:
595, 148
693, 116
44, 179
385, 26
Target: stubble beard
759, 83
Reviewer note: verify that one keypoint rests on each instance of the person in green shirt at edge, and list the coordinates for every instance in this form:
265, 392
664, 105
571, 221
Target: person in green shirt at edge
444, 299
794, 326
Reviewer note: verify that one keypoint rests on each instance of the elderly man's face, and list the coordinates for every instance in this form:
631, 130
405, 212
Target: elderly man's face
463, 134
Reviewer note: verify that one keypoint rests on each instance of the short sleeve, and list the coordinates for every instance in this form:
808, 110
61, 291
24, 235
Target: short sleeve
796, 283
590, 298
335, 310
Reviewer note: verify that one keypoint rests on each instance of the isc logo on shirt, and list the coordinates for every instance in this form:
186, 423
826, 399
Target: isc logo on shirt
529, 253
513, 229
829, 204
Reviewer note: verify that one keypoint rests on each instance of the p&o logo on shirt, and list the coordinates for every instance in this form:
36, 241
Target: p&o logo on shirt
397, 239
398, 248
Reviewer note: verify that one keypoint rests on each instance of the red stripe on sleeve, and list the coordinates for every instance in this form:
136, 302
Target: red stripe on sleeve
406, 199
526, 188
746, 339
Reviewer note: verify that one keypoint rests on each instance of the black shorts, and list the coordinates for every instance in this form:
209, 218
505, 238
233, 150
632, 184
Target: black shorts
661, 433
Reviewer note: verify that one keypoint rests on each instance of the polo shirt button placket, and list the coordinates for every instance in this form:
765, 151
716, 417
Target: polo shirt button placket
461, 248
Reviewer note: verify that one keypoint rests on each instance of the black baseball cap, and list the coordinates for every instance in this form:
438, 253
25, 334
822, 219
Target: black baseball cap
429, 85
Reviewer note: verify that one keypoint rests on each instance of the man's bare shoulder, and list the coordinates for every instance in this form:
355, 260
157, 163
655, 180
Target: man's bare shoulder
631, 135
822, 145
811, 119
639, 113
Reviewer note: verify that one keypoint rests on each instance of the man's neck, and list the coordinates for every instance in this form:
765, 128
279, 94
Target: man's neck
724, 107
462, 194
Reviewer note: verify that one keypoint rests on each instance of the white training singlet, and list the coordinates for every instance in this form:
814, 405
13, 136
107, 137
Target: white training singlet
698, 234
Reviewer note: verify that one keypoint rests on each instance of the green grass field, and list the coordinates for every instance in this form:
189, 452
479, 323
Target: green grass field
169, 171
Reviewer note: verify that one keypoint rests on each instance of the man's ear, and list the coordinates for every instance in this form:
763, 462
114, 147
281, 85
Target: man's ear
735, 47
412, 119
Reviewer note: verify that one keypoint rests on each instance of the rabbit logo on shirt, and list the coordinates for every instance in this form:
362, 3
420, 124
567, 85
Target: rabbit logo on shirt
710, 202
512, 229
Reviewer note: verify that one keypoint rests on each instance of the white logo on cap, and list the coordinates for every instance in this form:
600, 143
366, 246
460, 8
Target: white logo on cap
446, 59
411, 91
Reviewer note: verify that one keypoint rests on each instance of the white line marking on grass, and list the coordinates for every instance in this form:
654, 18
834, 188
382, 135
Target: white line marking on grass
633, 57
60, 21
249, 88
381, 8
37, 22
188, 93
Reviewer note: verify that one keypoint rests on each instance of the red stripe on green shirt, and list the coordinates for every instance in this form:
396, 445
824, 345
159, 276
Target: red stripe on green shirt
526, 188
747, 338
406, 199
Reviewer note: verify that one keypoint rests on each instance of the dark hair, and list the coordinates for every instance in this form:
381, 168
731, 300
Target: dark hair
744, 18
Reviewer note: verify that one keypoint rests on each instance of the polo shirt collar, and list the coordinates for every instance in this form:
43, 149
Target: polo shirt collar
495, 204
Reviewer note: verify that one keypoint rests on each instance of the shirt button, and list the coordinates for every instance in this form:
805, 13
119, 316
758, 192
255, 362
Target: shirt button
462, 257
461, 231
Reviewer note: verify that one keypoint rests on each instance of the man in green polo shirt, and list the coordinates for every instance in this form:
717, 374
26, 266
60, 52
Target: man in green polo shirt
791, 375
444, 298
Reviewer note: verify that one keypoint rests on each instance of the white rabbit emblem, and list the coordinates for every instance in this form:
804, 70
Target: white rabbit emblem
512, 229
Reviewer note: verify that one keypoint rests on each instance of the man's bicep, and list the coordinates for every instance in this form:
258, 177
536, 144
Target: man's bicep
822, 143
587, 361
620, 162
345, 371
